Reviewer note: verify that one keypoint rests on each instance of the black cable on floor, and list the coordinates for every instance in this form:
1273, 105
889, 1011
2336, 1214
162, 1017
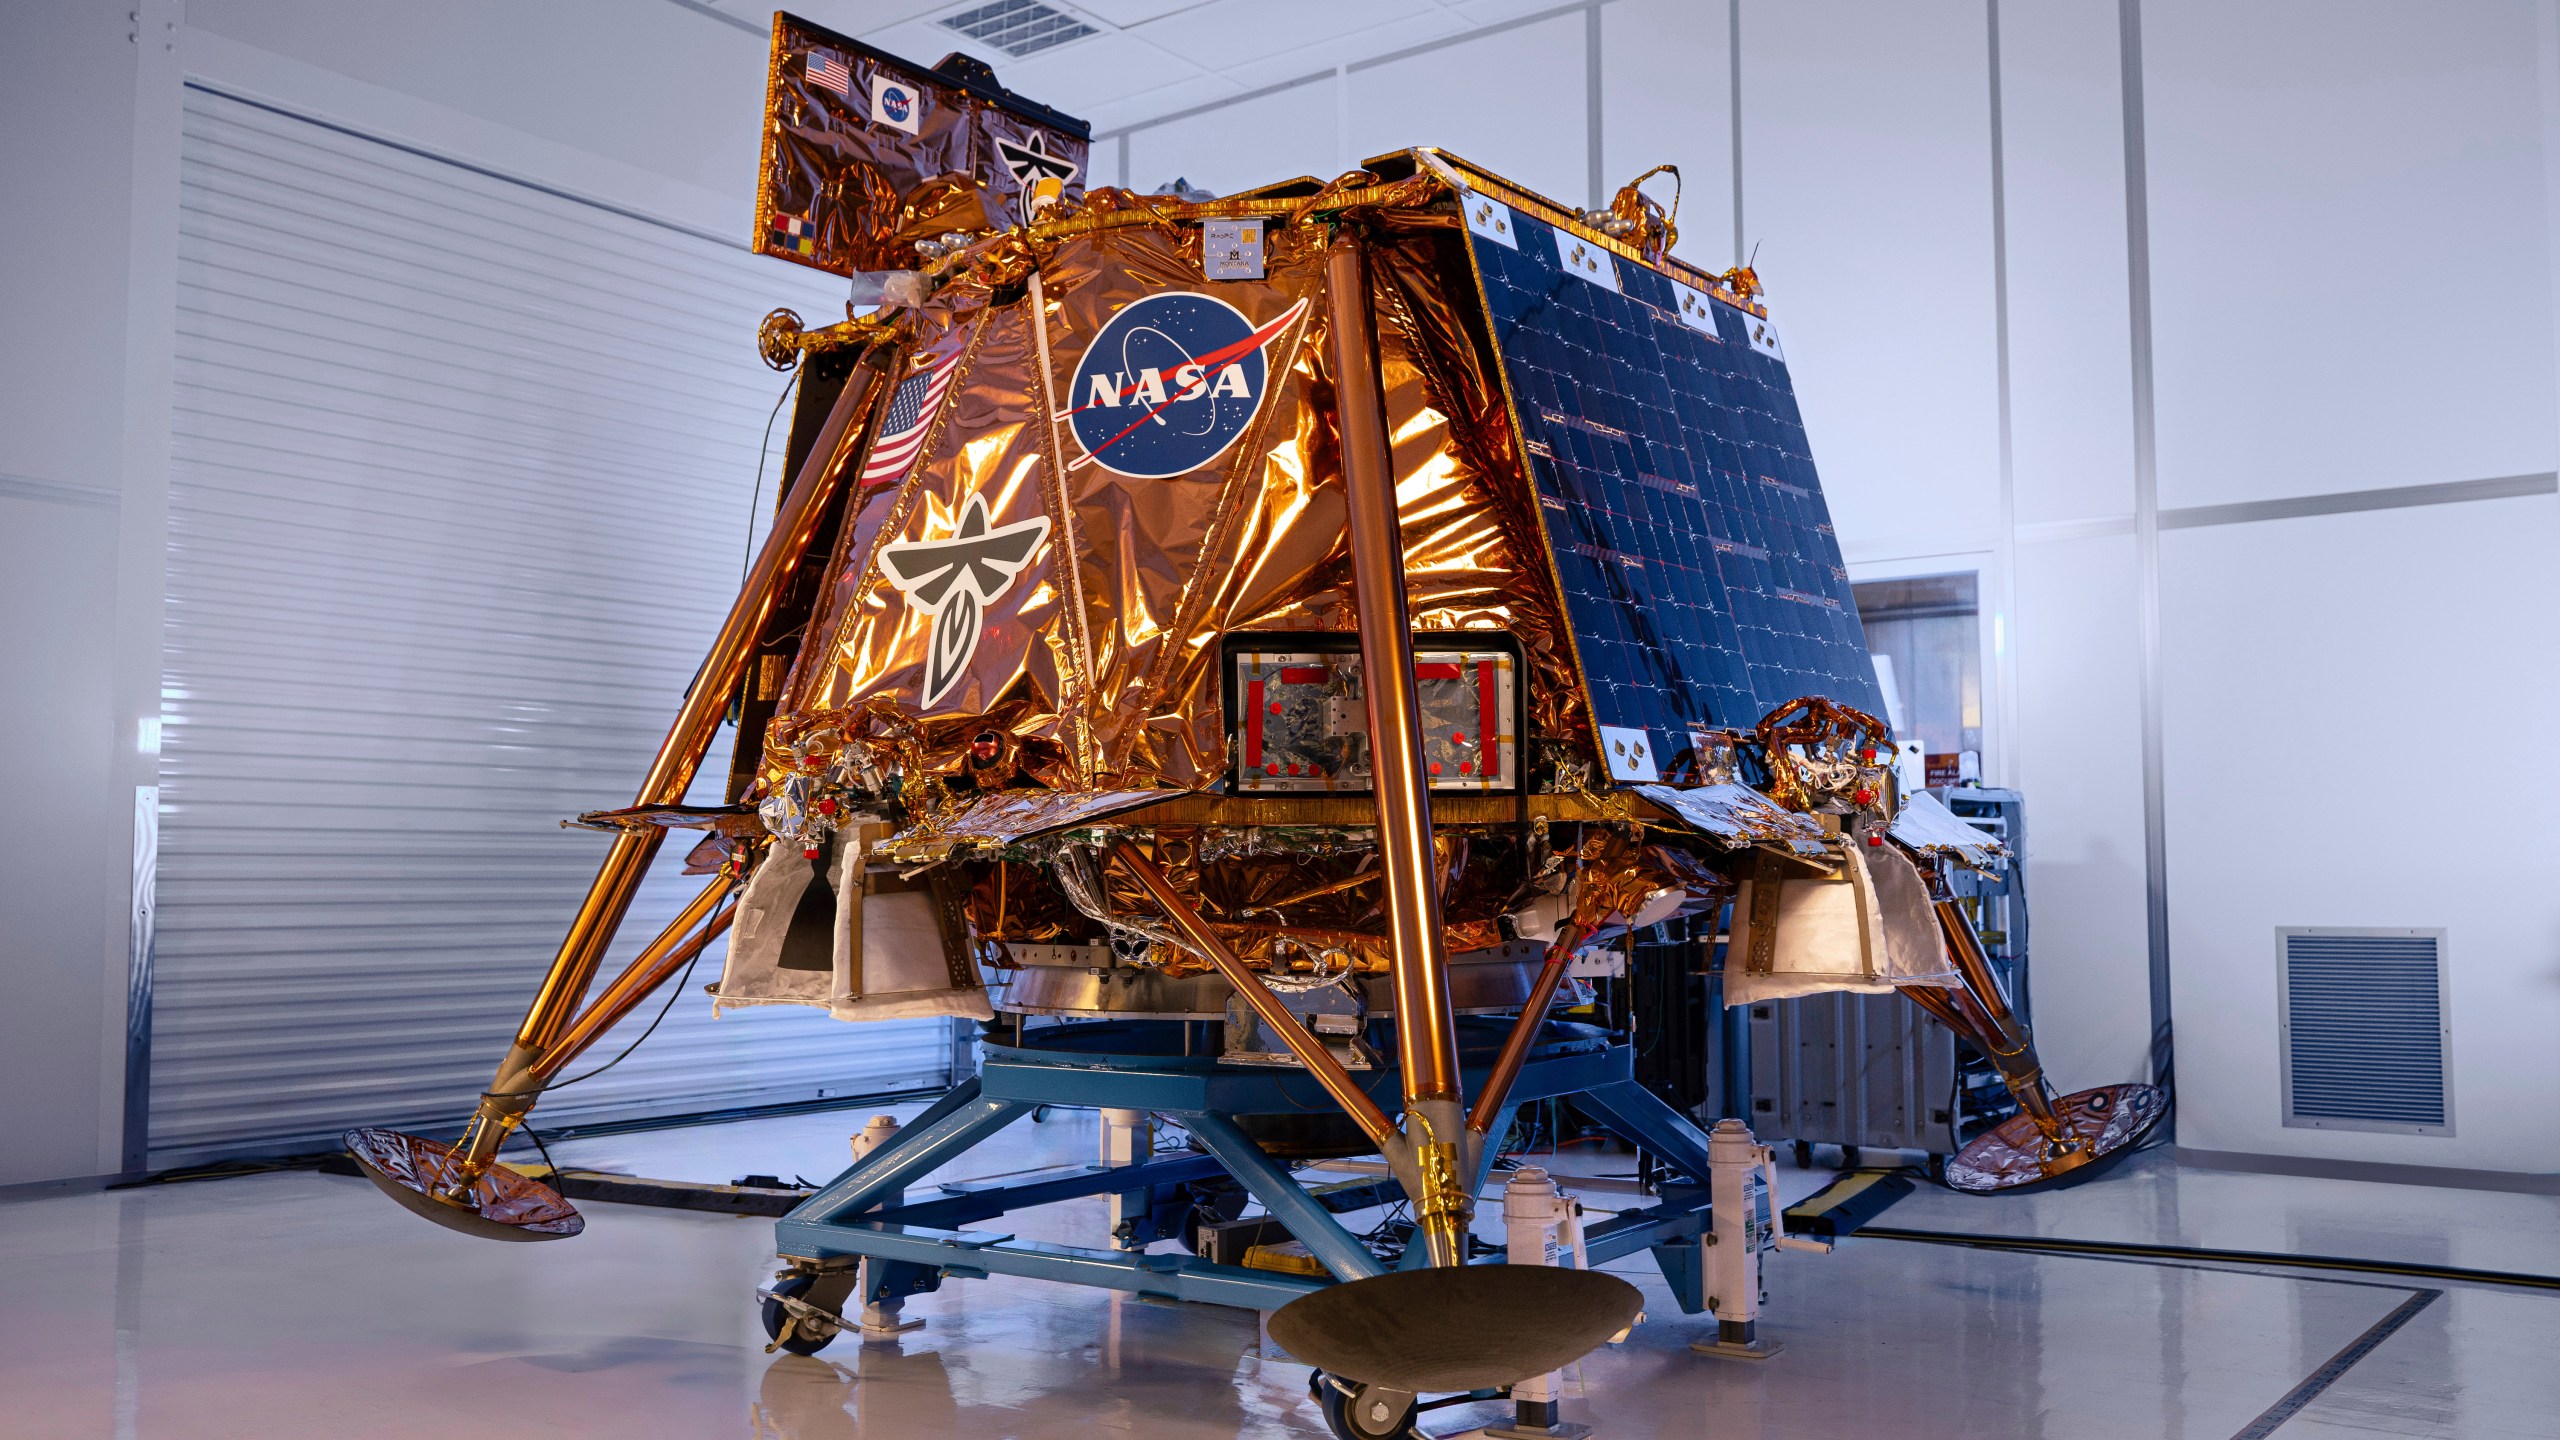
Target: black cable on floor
536, 1137
2038, 1244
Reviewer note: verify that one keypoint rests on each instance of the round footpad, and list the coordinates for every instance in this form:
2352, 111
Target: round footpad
1469, 1327
2098, 1126
502, 1204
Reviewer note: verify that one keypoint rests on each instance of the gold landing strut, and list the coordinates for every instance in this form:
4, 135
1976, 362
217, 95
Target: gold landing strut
526, 1071
1311, 1052
1426, 1024
670, 774
1524, 1033
1981, 1014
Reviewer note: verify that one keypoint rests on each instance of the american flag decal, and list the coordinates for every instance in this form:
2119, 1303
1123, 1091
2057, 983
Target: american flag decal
829, 70
911, 411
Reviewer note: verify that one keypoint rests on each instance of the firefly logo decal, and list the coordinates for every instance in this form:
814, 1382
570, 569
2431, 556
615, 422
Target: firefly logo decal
1031, 160
955, 580
1169, 383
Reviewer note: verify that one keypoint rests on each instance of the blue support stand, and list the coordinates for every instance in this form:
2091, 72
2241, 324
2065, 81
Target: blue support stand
867, 1212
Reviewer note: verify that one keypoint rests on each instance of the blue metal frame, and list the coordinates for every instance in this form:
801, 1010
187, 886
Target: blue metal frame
1136, 1065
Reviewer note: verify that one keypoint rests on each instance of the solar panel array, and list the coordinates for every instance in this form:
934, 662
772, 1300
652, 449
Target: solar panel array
1700, 572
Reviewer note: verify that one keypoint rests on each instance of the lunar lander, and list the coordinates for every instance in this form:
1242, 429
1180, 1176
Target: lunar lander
1280, 633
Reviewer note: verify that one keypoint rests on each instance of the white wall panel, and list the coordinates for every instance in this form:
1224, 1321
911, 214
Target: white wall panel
2351, 701
87, 212
460, 491
1866, 185
57, 578
1667, 97
2078, 760
1515, 102
1237, 147
2350, 254
658, 105
2070, 349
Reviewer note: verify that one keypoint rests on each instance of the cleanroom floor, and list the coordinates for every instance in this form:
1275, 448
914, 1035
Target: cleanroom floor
296, 1304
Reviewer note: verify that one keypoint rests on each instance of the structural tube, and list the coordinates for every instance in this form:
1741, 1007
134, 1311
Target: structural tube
1311, 1052
2010, 1047
675, 947
1524, 1031
1426, 1025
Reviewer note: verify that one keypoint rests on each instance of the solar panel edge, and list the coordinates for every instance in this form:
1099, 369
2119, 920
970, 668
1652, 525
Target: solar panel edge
1697, 665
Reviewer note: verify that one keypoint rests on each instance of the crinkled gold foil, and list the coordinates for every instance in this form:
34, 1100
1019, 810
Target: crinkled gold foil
1253, 541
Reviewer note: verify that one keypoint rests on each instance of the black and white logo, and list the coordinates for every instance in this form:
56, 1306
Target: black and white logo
1033, 160
954, 580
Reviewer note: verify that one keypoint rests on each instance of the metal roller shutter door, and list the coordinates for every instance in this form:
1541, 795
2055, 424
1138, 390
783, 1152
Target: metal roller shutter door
460, 490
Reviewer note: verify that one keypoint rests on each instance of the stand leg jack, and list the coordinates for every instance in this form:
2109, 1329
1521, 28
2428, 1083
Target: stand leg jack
1742, 1187
1536, 1420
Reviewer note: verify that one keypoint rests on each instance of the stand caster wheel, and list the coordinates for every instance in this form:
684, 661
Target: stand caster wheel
1364, 1412
1804, 1154
808, 1336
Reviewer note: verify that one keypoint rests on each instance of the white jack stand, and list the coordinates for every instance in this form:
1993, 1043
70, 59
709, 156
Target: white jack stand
1543, 1226
1743, 1188
1128, 1138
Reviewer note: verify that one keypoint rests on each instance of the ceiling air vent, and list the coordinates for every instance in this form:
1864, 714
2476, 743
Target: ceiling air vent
2364, 1032
1018, 27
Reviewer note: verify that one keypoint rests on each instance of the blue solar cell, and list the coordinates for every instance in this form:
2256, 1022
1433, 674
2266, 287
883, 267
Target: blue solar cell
1700, 572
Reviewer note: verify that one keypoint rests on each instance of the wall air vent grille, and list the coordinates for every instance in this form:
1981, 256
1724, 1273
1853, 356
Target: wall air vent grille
2363, 1030
1018, 27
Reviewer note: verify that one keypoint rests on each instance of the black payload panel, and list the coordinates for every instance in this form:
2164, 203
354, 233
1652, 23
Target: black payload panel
1700, 572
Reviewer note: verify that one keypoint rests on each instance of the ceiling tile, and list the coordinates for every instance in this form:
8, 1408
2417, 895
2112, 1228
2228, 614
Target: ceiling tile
1494, 12
1097, 70
1386, 39
1224, 33
1171, 100
1131, 12
857, 18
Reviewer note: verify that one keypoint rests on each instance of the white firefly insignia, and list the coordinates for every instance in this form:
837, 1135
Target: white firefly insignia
954, 580
1032, 160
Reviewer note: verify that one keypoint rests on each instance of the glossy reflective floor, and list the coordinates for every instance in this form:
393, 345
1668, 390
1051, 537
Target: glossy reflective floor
297, 1304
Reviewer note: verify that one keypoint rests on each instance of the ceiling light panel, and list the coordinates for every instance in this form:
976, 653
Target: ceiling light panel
1018, 27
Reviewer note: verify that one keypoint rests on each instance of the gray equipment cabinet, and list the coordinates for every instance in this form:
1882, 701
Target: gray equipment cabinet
1872, 1071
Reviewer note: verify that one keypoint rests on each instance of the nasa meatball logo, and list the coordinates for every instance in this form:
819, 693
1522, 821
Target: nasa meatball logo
894, 103
1170, 383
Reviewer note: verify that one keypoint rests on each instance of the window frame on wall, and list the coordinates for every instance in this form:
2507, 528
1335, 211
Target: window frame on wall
1993, 639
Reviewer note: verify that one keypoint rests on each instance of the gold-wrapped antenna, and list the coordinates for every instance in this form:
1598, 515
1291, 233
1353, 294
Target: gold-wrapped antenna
782, 342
